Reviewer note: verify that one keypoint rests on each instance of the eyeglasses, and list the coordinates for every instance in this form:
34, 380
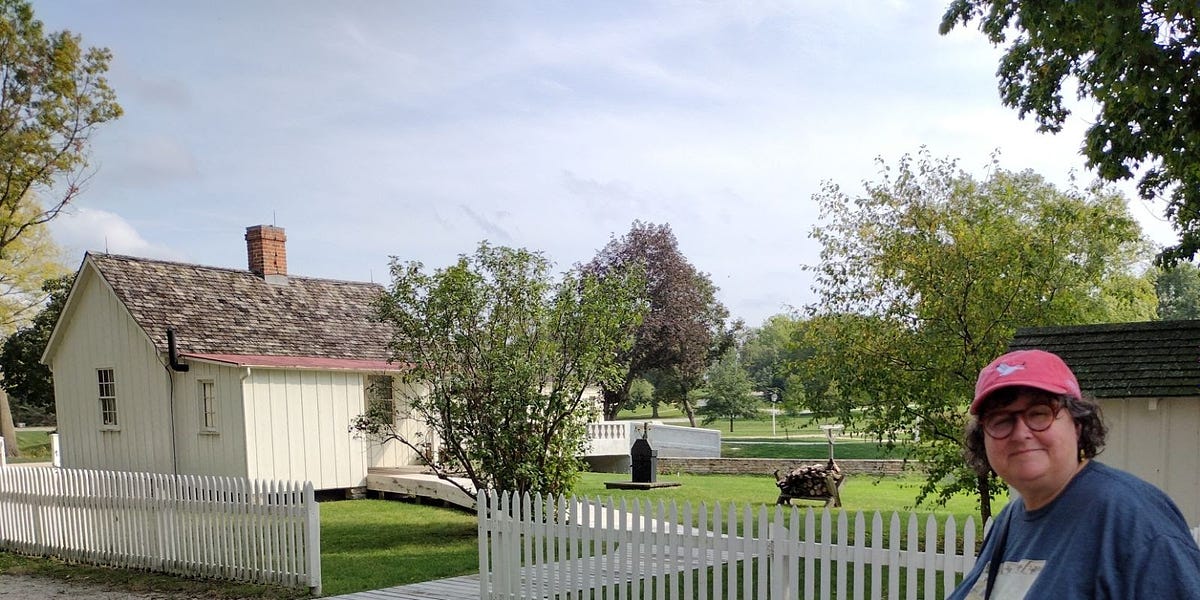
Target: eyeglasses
1038, 417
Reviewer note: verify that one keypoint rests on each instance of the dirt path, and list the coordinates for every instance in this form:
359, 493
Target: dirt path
26, 587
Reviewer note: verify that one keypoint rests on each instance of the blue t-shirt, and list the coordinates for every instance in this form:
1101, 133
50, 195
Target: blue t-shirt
1107, 535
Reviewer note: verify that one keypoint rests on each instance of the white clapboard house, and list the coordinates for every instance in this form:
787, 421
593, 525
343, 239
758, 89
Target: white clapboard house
180, 368
1146, 377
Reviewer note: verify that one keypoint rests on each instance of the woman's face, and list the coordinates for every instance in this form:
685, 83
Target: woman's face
1037, 463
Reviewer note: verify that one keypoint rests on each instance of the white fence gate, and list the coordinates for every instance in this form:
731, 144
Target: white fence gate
571, 548
216, 527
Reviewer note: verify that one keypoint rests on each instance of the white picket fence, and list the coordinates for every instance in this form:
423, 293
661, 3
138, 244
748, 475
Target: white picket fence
534, 547
213, 527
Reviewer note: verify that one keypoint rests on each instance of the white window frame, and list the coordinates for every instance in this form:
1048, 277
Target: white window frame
106, 382
207, 393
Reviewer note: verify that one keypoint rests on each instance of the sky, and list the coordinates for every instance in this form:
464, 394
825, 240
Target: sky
416, 129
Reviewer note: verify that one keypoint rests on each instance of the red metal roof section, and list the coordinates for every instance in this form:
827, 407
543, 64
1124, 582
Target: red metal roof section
297, 362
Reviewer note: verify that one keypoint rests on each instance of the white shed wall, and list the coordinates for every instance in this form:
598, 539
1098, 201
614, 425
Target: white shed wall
100, 333
203, 452
1160, 445
393, 453
297, 427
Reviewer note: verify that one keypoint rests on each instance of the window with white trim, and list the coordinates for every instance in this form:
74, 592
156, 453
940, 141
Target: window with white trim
108, 397
380, 395
208, 406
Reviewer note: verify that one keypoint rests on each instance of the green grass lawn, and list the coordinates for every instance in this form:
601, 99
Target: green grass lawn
868, 493
785, 428
372, 544
644, 413
34, 446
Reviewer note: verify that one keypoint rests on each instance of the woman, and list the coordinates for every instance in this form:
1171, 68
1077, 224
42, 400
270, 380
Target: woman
1078, 529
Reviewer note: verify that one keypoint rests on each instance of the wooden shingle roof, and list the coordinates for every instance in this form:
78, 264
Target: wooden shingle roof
1125, 360
227, 311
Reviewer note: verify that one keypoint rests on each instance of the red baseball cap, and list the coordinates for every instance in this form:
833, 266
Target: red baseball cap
1030, 368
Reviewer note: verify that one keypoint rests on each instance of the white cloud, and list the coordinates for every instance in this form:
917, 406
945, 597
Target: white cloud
94, 230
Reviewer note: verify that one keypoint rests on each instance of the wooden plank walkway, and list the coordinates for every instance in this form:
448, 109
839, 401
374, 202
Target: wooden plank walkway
422, 485
585, 572
450, 588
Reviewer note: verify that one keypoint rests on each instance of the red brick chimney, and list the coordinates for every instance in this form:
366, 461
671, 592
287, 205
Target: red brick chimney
266, 249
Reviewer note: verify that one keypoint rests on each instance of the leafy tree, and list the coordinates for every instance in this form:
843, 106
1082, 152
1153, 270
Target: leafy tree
26, 379
925, 278
53, 96
795, 396
25, 263
641, 393
1137, 60
1178, 290
500, 356
728, 392
666, 389
771, 353
764, 353
684, 328
771, 350
680, 379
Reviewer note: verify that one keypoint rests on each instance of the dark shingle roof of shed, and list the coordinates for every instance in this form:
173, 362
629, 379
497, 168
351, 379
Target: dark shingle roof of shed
1125, 360
215, 310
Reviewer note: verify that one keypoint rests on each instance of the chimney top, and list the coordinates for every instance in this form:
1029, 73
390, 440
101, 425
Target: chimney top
267, 252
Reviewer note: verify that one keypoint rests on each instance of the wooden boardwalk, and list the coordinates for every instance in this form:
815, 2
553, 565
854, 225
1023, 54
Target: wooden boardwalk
451, 588
583, 573
420, 485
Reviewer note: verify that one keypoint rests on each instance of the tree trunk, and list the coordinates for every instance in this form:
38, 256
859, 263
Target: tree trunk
612, 404
983, 485
7, 430
615, 400
688, 410
730, 424
654, 410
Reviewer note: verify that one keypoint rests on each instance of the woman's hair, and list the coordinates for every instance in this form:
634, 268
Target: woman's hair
1085, 411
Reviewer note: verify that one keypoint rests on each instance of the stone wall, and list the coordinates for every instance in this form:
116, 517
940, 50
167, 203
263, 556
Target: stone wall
767, 466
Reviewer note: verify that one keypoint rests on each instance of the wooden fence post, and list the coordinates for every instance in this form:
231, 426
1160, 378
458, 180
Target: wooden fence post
314, 539
483, 514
